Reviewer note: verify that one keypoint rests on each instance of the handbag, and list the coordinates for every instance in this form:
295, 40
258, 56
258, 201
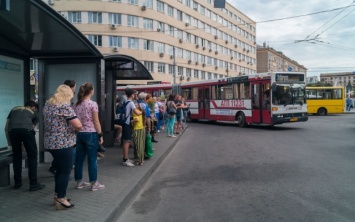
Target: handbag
171, 109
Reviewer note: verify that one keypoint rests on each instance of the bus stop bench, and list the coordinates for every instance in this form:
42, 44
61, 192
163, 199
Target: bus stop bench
5, 161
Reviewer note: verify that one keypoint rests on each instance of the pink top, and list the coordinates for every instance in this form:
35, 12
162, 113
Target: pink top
84, 112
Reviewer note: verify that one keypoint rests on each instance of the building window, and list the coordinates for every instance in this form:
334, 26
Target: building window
179, 34
149, 66
148, 3
133, 2
95, 17
95, 39
188, 3
148, 24
195, 56
188, 72
161, 27
132, 21
188, 37
179, 52
203, 75
170, 30
195, 5
114, 18
215, 76
148, 45
179, 15
132, 43
161, 47
116, 0
74, 17
202, 10
180, 71
196, 73
161, 67
170, 11
188, 55
209, 75
171, 50
171, 69
160, 6
116, 41
187, 18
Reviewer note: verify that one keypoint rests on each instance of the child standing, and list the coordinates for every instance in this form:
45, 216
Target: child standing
139, 135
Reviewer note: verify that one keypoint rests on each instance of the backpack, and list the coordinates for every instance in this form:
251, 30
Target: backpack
121, 114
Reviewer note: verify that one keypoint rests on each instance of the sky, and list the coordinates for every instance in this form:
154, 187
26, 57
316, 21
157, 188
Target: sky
322, 42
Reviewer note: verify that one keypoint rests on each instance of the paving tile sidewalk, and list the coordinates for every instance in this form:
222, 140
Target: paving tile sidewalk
122, 184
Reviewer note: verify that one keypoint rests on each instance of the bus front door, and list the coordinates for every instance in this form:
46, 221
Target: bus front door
203, 102
261, 104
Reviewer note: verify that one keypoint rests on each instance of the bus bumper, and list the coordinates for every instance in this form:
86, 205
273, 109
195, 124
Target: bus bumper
286, 118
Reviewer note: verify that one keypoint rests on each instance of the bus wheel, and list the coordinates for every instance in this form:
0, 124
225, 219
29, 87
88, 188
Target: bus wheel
241, 120
322, 112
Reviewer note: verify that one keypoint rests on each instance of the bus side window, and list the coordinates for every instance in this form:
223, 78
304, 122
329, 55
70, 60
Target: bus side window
235, 91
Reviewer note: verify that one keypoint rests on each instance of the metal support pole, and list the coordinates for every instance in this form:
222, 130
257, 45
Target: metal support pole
174, 65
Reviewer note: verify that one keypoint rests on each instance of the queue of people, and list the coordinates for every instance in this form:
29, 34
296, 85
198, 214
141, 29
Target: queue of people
72, 133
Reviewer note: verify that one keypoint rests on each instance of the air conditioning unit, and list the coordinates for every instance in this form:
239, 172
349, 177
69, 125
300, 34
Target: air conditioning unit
215, 37
50, 2
248, 63
188, 78
180, 40
189, 61
171, 56
187, 24
161, 54
115, 49
182, 77
231, 57
204, 48
197, 46
244, 49
240, 60
226, 41
158, 30
216, 67
210, 50
113, 26
203, 64
227, 70
254, 43
144, 8
216, 52
235, 46
248, 51
196, 63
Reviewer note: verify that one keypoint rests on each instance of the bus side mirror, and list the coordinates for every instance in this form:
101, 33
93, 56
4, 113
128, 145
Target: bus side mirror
274, 87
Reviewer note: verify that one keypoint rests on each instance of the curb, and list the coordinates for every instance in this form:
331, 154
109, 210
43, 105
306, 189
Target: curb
127, 199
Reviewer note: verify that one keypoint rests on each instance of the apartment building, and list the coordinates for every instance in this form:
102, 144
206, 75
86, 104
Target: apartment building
190, 38
338, 78
270, 60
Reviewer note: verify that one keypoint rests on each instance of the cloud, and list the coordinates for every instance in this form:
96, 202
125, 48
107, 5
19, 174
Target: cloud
335, 46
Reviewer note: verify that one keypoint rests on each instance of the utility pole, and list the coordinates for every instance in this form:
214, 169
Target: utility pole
174, 65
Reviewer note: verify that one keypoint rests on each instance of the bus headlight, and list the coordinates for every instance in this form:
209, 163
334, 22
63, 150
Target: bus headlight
275, 108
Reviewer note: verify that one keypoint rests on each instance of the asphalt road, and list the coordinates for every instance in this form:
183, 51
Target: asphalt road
219, 172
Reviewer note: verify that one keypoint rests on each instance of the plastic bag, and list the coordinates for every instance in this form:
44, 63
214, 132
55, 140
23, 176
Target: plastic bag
148, 146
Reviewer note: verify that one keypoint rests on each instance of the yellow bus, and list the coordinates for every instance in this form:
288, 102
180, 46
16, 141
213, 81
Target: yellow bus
325, 100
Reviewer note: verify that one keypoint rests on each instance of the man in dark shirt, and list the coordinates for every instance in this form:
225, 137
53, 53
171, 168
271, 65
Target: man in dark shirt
20, 123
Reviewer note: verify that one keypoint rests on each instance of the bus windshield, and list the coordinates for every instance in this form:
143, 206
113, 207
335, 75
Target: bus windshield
289, 94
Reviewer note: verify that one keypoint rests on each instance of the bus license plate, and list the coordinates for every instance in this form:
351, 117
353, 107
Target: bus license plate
294, 119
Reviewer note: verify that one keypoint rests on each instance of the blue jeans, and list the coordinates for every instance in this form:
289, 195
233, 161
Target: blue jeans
157, 115
86, 144
64, 163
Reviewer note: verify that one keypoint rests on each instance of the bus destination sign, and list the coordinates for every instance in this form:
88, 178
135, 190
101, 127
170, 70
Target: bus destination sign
284, 77
237, 79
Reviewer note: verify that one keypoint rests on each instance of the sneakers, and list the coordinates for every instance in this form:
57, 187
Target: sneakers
173, 136
97, 186
82, 184
128, 163
37, 187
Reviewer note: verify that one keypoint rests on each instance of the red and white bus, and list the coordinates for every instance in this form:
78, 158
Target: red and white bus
261, 99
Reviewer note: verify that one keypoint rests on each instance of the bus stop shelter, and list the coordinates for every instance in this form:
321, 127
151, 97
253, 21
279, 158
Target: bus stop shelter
32, 29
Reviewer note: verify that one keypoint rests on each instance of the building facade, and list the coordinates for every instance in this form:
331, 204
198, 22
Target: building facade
270, 60
338, 79
190, 38
312, 79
